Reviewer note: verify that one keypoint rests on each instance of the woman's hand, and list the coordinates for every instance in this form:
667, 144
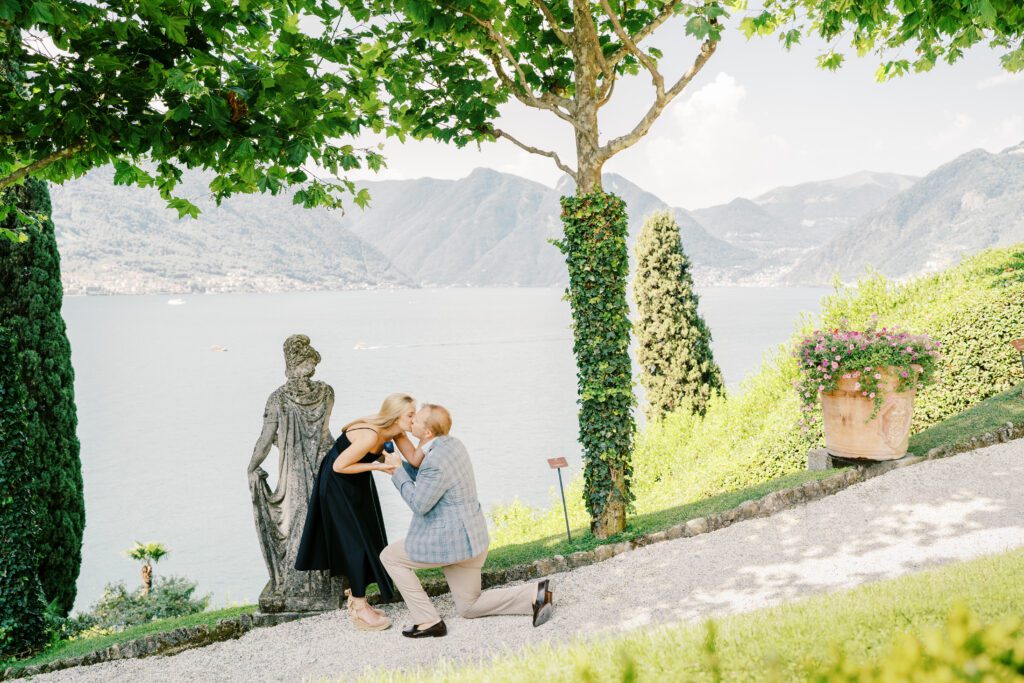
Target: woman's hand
385, 467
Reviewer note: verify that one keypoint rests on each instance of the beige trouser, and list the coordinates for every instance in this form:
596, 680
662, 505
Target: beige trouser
464, 580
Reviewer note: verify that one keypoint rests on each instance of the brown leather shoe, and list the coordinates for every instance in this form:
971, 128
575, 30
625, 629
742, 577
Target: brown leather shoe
542, 607
438, 630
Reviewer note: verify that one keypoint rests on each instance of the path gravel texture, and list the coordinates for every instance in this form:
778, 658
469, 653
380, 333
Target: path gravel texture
930, 514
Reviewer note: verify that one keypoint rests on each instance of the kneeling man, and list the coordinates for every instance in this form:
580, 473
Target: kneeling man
448, 530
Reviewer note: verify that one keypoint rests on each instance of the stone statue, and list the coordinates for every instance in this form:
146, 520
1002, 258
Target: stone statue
296, 420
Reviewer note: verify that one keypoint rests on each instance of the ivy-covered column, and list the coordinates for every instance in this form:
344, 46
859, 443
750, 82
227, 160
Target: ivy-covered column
594, 246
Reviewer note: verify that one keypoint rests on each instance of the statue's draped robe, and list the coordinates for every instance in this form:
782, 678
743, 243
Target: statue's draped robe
300, 410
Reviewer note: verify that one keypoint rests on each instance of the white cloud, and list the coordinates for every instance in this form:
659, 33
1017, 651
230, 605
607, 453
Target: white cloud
1000, 80
713, 148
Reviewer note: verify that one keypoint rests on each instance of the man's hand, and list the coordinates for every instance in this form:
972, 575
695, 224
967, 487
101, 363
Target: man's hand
392, 461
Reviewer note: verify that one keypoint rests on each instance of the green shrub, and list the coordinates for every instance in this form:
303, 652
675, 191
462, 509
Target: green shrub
752, 436
118, 608
964, 650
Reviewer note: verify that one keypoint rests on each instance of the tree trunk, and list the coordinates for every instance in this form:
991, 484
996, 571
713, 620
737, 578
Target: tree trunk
586, 70
147, 579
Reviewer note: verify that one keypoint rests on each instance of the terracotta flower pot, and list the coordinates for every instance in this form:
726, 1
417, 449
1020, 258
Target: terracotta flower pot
849, 433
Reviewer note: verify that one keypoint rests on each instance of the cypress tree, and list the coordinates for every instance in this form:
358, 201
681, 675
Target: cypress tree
22, 624
677, 368
30, 306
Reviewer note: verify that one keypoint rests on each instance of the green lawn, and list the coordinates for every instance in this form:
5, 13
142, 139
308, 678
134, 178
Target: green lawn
67, 649
779, 643
987, 416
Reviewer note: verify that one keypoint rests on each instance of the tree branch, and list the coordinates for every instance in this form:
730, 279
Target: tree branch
667, 13
563, 36
628, 44
529, 98
533, 150
559, 105
605, 93
38, 165
618, 144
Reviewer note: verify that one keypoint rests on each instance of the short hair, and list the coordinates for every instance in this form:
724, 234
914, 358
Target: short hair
438, 419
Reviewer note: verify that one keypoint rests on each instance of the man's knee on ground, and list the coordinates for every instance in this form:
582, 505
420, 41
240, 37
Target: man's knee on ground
466, 610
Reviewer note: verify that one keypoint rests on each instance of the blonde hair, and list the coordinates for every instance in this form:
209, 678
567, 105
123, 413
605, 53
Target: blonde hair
394, 407
438, 419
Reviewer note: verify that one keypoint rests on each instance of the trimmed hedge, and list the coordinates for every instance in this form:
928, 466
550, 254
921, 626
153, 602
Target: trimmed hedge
31, 309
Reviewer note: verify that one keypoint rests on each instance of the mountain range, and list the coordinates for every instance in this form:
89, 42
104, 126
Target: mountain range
493, 229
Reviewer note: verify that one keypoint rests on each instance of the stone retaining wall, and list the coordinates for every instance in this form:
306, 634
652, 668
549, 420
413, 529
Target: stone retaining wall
172, 642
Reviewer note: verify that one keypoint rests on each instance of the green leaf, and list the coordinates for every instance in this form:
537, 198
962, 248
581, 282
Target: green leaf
40, 13
175, 27
184, 207
698, 27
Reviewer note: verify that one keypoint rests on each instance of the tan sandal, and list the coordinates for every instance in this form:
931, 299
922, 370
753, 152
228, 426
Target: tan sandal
359, 621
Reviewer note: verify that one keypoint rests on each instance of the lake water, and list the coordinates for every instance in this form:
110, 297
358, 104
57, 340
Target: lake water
168, 425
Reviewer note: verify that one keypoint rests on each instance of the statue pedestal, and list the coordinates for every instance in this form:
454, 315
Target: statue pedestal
276, 602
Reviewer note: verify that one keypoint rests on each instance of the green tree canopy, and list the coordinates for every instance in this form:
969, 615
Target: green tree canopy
258, 92
930, 30
452, 63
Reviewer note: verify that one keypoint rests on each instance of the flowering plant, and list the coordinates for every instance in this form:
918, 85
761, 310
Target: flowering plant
867, 358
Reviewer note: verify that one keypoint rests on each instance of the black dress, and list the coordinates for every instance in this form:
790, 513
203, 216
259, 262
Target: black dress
344, 530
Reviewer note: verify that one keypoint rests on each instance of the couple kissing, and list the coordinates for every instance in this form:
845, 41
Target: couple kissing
344, 530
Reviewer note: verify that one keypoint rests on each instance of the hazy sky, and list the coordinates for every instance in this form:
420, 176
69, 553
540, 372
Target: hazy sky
758, 117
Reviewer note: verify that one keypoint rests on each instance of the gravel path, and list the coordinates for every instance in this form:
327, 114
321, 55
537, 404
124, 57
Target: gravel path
932, 513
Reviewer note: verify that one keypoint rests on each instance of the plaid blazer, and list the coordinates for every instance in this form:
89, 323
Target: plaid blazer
448, 524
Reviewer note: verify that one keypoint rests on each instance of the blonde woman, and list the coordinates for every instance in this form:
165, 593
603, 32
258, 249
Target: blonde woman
344, 530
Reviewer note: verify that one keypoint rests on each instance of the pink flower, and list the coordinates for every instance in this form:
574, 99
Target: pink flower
856, 385
848, 376
867, 369
839, 357
871, 395
878, 376
864, 393
835, 365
